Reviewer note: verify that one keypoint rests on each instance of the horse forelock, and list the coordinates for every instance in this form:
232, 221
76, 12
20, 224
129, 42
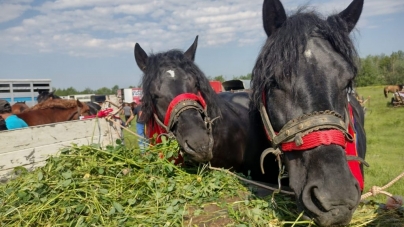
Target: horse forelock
174, 58
279, 57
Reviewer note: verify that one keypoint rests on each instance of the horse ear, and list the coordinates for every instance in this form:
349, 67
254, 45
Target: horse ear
273, 16
352, 13
190, 53
141, 57
79, 104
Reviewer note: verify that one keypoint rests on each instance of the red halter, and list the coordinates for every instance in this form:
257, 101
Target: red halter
325, 137
155, 128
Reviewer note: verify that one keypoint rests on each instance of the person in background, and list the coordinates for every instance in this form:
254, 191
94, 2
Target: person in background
133, 106
127, 111
140, 124
11, 120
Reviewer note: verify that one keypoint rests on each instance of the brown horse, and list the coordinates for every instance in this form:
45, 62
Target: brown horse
19, 107
54, 110
392, 89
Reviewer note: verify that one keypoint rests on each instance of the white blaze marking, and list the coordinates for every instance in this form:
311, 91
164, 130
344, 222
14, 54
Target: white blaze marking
172, 73
308, 53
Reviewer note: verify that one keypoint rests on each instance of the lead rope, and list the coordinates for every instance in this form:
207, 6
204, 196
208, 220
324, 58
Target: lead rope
375, 190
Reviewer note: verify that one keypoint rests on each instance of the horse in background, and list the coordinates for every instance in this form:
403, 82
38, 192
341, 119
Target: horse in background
53, 111
217, 128
299, 83
45, 95
392, 89
19, 107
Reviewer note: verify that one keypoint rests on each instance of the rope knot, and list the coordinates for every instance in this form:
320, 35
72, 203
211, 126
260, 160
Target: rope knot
375, 190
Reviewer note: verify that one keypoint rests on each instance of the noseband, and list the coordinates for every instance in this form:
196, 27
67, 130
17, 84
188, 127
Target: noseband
180, 104
304, 133
310, 131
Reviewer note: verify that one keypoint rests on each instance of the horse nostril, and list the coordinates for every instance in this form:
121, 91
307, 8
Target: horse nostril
317, 199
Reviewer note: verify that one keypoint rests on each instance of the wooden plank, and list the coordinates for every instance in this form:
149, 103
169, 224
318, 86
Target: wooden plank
31, 156
29, 147
52, 133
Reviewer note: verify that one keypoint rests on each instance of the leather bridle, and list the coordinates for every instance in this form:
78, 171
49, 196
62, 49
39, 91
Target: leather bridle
177, 106
306, 132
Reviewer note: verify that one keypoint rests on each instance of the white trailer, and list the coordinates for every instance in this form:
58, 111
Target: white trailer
23, 90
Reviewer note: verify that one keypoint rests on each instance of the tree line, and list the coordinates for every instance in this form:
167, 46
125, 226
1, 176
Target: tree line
381, 70
374, 70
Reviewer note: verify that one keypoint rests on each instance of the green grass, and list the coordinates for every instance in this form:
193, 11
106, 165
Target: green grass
384, 127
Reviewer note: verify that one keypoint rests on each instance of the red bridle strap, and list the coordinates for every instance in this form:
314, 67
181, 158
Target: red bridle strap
179, 98
315, 139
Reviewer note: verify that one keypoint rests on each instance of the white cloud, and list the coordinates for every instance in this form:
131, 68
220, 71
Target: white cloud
11, 11
94, 28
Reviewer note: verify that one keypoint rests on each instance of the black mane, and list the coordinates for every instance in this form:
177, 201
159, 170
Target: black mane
45, 95
175, 58
279, 57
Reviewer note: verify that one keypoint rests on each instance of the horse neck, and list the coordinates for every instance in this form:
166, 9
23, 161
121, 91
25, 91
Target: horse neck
59, 114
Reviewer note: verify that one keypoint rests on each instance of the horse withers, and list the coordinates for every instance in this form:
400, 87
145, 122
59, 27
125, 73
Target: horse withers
53, 111
300, 82
46, 95
209, 127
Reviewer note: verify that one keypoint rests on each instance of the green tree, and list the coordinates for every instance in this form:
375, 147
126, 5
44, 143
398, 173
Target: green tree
219, 78
368, 73
114, 89
104, 91
87, 90
243, 77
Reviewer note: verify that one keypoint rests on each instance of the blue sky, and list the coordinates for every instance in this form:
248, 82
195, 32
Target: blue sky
89, 43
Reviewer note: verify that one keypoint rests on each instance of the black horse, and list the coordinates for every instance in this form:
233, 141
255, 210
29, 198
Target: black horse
301, 78
45, 95
209, 127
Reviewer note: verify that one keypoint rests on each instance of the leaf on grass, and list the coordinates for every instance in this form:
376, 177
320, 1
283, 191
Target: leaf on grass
111, 211
67, 174
118, 207
170, 210
66, 182
40, 175
103, 191
131, 201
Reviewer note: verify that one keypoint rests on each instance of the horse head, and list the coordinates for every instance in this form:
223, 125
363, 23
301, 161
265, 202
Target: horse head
82, 109
177, 95
301, 79
45, 95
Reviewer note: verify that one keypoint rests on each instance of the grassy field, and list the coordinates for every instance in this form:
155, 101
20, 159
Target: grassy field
384, 127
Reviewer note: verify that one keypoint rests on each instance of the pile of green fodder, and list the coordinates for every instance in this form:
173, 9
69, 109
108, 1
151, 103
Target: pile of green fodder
118, 186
